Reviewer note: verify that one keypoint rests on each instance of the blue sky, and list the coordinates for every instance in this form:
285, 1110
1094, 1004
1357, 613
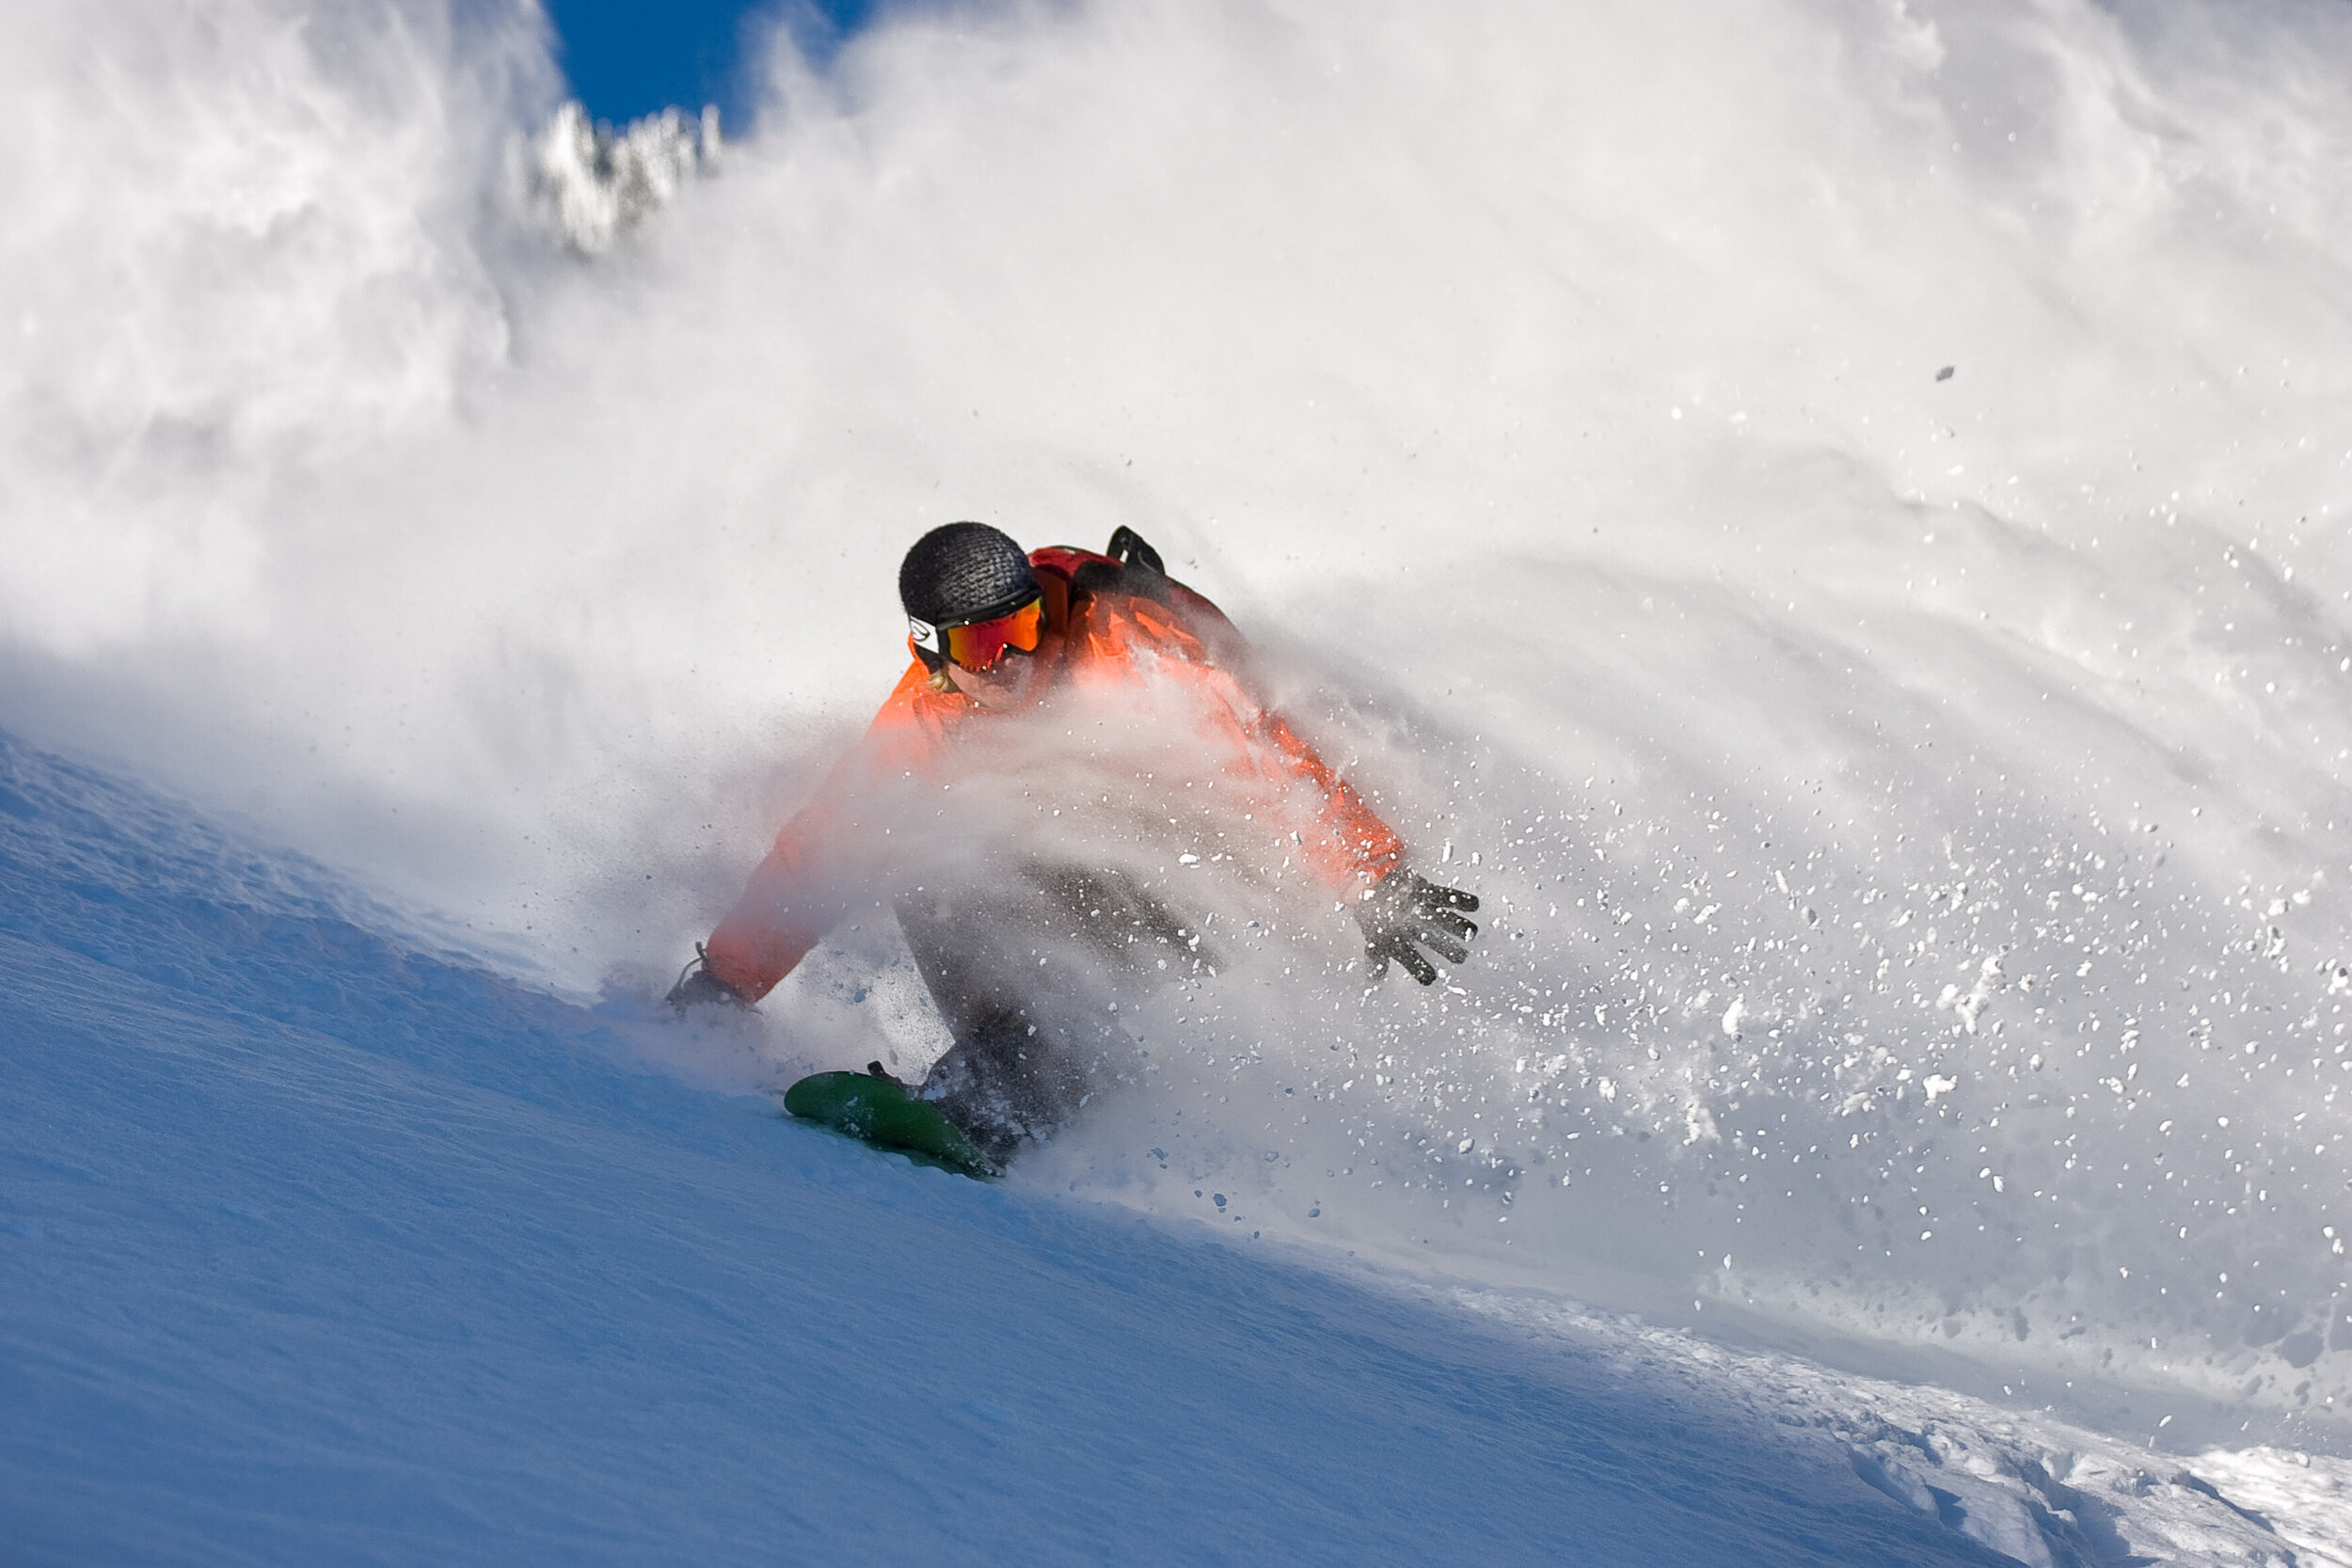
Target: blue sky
631, 57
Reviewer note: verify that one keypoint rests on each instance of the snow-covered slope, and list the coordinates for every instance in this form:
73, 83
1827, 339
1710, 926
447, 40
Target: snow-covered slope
318, 1248
317, 1245
1828, 517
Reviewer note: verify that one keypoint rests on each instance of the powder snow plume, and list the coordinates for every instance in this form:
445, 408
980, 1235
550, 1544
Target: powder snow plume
1830, 518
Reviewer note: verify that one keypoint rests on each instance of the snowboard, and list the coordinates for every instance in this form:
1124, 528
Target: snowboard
881, 1112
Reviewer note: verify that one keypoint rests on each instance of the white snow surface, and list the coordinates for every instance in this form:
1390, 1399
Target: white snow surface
320, 1245
1830, 517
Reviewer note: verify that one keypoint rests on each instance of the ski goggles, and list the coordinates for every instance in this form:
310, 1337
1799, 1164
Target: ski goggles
979, 644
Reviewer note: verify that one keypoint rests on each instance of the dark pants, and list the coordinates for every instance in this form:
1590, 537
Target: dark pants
1035, 1038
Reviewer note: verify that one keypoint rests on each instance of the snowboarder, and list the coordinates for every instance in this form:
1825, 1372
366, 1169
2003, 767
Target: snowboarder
996, 632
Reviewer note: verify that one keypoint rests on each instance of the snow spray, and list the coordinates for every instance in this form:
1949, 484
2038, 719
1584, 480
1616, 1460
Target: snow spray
1830, 520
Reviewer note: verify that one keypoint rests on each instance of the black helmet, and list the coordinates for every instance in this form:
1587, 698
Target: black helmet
964, 572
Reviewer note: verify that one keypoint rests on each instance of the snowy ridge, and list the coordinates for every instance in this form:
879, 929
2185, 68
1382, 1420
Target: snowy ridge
596, 184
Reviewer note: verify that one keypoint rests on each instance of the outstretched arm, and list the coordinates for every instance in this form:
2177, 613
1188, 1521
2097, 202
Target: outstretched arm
823, 856
1345, 842
1396, 909
1362, 858
1351, 849
792, 900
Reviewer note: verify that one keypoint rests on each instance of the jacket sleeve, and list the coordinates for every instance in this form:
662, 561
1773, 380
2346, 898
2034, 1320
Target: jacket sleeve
1343, 840
1350, 847
824, 856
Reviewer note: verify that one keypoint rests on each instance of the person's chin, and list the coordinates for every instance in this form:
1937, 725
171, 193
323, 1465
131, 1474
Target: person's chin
988, 694
1004, 691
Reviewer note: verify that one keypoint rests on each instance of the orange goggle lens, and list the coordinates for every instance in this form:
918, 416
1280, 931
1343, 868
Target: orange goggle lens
978, 646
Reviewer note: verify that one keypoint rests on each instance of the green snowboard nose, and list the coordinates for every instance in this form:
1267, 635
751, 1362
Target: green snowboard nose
879, 1111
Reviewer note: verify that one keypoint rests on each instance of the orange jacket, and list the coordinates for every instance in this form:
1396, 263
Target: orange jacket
1100, 635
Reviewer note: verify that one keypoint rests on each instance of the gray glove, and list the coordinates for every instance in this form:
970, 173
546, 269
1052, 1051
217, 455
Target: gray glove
696, 986
1404, 909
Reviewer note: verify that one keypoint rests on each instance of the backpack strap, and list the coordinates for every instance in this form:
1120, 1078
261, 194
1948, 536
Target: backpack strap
1127, 547
1128, 566
1133, 566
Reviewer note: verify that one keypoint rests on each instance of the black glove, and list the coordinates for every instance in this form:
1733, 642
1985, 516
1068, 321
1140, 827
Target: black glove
696, 985
1404, 909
